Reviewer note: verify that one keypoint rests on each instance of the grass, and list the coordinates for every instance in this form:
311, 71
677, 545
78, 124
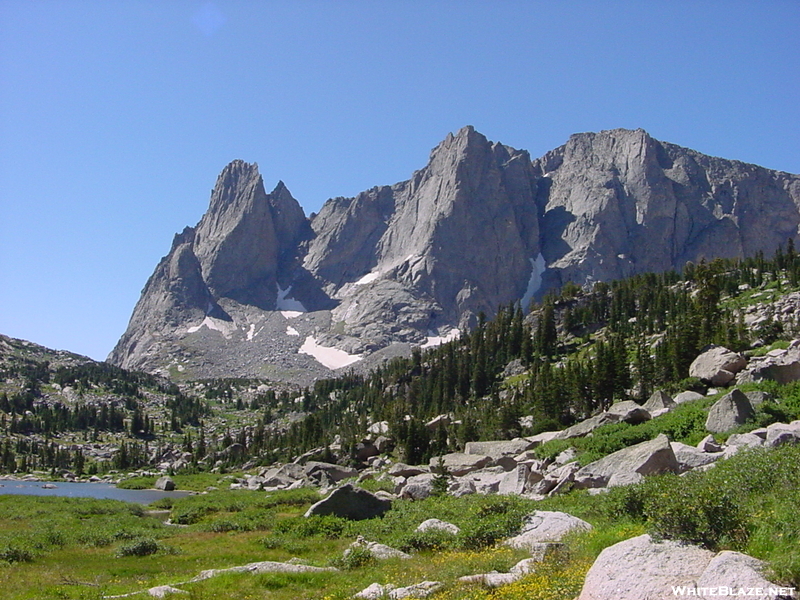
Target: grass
83, 549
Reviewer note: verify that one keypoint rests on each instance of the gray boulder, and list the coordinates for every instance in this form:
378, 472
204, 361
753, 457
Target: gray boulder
730, 411
404, 470
162, 591
689, 457
545, 526
629, 412
782, 366
418, 487
640, 568
437, 525
659, 401
717, 365
709, 444
629, 465
687, 396
165, 483
586, 426
350, 502
320, 472
553, 481
734, 570
376, 550
500, 449
461, 487
781, 433
458, 463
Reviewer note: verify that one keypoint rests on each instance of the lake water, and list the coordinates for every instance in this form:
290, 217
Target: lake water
85, 490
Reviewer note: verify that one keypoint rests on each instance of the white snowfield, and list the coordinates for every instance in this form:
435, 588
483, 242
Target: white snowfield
226, 328
292, 331
438, 340
535, 282
291, 314
332, 358
369, 277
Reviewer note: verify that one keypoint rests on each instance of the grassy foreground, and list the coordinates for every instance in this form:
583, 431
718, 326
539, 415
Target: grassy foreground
67, 548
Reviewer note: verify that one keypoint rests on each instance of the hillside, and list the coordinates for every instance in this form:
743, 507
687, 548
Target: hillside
568, 383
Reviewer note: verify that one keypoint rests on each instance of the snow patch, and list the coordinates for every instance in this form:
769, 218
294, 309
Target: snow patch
291, 314
292, 331
438, 340
368, 278
283, 302
226, 328
333, 358
538, 267
251, 333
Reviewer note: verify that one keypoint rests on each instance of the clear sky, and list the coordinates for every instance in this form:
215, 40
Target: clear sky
117, 116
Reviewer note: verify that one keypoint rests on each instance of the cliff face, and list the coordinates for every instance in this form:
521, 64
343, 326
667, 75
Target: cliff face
480, 225
620, 202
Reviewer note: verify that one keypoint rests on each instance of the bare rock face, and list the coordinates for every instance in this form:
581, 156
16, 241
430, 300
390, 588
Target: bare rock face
258, 289
619, 202
456, 239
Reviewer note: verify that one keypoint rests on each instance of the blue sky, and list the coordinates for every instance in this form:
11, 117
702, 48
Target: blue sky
116, 117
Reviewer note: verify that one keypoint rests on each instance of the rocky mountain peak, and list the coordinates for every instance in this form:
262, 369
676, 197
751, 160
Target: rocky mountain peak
235, 240
479, 226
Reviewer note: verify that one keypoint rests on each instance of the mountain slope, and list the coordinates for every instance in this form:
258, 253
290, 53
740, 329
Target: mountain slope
257, 289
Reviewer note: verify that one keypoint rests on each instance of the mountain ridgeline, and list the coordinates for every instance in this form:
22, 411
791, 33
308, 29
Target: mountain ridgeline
257, 289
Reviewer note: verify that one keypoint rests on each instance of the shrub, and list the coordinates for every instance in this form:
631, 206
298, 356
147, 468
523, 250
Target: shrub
327, 526
354, 558
433, 539
691, 511
14, 553
139, 547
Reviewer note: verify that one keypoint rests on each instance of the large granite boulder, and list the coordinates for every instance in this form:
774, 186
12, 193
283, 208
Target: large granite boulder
737, 571
730, 411
418, 487
499, 449
659, 402
781, 433
641, 568
165, 483
320, 471
629, 412
351, 502
629, 465
545, 526
781, 365
689, 457
459, 463
717, 365
687, 396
